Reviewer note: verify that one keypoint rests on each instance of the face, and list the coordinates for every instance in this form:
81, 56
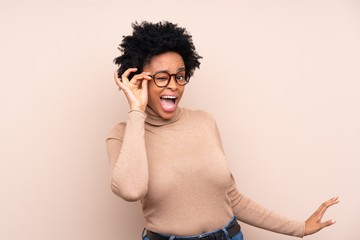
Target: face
165, 100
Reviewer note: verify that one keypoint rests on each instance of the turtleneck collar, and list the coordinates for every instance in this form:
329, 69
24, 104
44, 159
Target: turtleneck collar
155, 119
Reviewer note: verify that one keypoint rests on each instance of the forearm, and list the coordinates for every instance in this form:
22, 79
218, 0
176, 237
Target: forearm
256, 215
129, 176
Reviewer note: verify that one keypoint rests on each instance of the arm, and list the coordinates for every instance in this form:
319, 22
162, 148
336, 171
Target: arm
127, 154
128, 160
256, 215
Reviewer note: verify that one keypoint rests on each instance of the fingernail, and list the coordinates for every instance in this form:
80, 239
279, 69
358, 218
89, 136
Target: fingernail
333, 221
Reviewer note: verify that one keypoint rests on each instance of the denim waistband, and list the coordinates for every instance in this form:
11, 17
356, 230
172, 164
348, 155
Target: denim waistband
194, 236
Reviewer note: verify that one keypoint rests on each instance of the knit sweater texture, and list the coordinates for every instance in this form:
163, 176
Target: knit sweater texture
178, 170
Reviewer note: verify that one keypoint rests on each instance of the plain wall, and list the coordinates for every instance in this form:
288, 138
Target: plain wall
281, 77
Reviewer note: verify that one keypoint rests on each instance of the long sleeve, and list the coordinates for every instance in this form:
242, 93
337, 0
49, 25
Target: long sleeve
178, 170
127, 155
256, 215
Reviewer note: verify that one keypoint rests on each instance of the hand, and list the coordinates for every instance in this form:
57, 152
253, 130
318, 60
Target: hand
314, 224
136, 90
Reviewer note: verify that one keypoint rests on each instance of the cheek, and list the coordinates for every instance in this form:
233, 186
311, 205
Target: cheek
153, 92
181, 90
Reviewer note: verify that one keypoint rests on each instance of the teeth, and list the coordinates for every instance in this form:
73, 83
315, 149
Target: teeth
169, 97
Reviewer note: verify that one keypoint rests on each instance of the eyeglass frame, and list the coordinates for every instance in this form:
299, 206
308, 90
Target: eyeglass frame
187, 78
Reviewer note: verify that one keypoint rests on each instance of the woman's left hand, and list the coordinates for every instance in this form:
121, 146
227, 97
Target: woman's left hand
314, 224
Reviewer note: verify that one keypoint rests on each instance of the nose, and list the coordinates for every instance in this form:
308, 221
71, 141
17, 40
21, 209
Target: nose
172, 84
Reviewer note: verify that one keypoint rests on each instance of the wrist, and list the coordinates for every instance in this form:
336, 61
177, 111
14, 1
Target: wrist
138, 108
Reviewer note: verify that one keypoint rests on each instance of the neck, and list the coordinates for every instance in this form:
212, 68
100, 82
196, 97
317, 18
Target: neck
156, 120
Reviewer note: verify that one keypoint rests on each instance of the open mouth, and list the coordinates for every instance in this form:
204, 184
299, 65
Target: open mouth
168, 103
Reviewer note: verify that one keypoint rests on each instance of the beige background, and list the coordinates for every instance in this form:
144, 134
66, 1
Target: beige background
281, 77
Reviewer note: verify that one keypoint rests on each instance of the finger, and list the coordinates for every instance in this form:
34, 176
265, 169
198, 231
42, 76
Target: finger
141, 76
125, 75
328, 203
139, 79
121, 85
136, 80
322, 209
144, 85
327, 223
117, 80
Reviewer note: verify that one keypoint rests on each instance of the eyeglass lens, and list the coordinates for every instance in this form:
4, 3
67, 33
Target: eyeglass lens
163, 78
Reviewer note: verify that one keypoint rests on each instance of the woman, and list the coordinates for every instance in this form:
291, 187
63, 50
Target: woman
171, 158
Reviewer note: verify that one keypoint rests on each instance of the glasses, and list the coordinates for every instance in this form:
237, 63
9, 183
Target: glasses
162, 79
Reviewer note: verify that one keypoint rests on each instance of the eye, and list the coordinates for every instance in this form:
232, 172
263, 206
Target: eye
161, 78
180, 76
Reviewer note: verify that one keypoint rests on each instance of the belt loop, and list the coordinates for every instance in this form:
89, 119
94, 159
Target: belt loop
142, 235
226, 233
172, 237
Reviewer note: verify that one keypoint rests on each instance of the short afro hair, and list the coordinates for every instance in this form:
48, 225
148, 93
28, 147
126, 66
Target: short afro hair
150, 39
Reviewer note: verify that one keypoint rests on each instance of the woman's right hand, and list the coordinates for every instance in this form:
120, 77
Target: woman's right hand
136, 90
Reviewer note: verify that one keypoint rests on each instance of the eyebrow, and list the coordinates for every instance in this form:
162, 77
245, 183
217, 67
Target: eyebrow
179, 69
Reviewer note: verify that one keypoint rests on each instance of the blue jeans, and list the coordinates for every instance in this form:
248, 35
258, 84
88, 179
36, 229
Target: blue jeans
238, 236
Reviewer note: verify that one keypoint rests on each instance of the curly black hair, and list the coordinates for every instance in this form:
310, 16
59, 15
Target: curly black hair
150, 39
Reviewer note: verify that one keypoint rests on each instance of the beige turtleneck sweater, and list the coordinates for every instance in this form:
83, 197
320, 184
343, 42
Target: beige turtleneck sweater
178, 170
